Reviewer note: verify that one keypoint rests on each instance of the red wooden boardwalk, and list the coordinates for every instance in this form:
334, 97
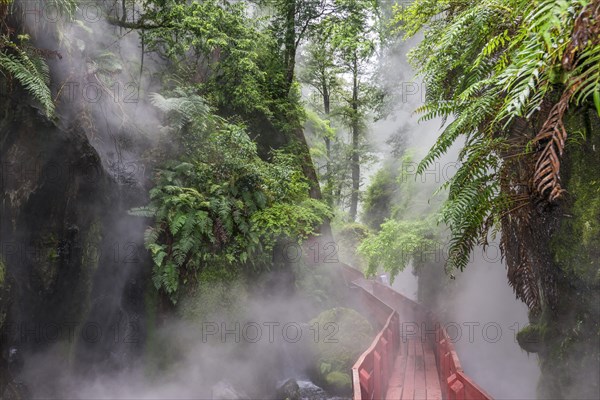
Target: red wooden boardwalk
411, 358
415, 373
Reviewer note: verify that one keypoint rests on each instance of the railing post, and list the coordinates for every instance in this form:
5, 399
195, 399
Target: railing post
396, 330
385, 364
366, 384
377, 375
456, 389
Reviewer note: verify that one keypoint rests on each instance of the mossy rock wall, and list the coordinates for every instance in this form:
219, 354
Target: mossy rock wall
346, 335
566, 334
58, 212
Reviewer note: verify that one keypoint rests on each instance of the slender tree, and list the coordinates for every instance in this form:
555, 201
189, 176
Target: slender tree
322, 74
355, 40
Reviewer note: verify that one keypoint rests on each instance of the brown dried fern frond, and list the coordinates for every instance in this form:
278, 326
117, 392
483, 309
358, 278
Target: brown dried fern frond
521, 274
586, 32
552, 136
525, 285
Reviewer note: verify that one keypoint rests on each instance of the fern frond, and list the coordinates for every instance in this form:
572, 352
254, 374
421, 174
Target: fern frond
182, 110
553, 137
32, 72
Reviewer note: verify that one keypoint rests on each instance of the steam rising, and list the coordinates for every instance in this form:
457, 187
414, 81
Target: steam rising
481, 295
241, 350
190, 364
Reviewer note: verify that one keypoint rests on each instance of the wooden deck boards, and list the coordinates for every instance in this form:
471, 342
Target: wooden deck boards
415, 374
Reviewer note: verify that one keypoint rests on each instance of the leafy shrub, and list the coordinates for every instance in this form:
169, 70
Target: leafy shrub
396, 244
220, 205
336, 353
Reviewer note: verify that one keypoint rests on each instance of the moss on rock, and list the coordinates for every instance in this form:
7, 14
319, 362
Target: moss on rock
344, 335
530, 338
576, 246
569, 351
339, 381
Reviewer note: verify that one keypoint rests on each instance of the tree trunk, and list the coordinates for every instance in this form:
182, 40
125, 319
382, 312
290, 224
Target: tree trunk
327, 109
552, 256
290, 43
308, 167
355, 162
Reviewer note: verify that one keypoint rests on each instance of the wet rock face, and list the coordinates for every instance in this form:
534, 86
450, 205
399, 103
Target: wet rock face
349, 335
4, 305
51, 193
64, 225
290, 390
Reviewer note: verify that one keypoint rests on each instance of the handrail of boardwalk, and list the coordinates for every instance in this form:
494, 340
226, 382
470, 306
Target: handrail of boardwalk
456, 384
372, 371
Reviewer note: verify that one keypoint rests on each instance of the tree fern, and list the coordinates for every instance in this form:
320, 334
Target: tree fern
489, 65
31, 71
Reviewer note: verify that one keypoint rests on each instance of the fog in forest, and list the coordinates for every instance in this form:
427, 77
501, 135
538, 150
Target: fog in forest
241, 339
478, 308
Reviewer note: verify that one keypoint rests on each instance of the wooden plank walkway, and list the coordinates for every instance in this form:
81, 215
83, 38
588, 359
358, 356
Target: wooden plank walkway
415, 375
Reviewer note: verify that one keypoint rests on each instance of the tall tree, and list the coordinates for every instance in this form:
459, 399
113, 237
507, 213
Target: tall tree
293, 21
322, 74
241, 67
355, 40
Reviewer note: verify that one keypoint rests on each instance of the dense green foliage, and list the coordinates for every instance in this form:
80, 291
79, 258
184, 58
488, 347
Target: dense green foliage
235, 176
396, 244
507, 61
242, 63
337, 352
21, 61
379, 197
222, 207
404, 216
218, 47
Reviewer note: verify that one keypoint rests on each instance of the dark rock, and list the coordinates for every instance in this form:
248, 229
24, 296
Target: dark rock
290, 390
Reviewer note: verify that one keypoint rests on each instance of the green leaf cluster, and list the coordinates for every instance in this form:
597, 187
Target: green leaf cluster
24, 64
221, 206
490, 67
396, 244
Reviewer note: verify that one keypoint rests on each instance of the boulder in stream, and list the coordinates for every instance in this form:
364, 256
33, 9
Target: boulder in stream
343, 335
290, 390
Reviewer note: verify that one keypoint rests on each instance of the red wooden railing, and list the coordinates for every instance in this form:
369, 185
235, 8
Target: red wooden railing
372, 371
456, 385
